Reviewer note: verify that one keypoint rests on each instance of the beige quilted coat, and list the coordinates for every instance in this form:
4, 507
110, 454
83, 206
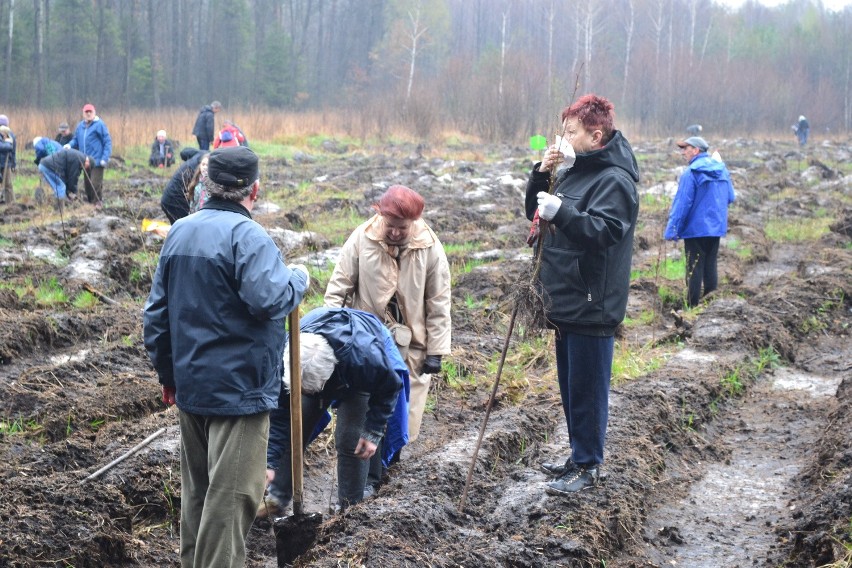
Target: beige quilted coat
368, 273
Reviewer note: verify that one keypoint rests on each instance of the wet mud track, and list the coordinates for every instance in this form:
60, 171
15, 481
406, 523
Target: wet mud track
696, 470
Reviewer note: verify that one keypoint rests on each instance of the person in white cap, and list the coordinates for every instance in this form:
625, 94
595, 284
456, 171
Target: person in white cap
802, 129
699, 215
162, 151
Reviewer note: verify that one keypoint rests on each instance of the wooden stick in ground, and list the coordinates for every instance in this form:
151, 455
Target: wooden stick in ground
488, 407
296, 449
99, 295
126, 455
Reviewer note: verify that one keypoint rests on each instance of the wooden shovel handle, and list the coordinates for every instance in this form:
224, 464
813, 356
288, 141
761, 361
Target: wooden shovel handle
296, 410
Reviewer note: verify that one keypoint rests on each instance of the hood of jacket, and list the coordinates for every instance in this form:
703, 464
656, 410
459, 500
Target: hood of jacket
706, 167
617, 152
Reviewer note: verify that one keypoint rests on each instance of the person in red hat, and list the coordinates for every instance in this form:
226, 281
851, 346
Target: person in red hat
92, 138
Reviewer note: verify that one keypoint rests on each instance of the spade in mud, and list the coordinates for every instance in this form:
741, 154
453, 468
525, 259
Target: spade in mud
294, 535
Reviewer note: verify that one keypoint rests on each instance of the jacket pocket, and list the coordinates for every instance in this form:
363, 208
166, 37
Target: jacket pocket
401, 336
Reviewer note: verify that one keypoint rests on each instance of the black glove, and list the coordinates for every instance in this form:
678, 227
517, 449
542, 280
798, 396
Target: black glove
431, 365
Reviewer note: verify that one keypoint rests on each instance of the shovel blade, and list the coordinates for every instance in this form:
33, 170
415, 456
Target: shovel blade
295, 535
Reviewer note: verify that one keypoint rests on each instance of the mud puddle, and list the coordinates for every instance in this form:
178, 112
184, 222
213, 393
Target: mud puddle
727, 517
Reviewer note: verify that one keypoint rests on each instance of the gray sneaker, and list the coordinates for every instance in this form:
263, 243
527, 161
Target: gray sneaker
578, 479
557, 469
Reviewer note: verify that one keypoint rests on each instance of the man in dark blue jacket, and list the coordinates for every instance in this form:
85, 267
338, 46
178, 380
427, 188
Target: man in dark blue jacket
204, 128
348, 358
92, 138
585, 271
699, 215
214, 329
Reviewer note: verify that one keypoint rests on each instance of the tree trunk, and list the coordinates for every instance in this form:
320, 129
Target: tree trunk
631, 22
503, 47
588, 42
551, 22
38, 51
128, 59
8, 75
153, 17
414, 36
100, 78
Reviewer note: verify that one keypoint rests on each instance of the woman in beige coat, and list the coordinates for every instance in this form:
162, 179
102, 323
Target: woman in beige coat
394, 266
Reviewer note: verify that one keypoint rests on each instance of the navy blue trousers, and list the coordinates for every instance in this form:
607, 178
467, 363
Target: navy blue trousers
701, 257
584, 367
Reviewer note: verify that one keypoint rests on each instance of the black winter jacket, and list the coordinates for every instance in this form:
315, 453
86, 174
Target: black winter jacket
67, 164
168, 157
585, 268
174, 200
204, 124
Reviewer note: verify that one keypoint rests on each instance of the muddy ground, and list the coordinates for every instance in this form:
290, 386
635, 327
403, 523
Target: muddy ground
732, 449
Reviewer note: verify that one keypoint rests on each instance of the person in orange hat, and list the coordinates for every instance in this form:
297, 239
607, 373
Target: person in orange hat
92, 138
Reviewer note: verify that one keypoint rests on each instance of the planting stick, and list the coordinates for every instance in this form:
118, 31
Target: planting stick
99, 295
126, 455
488, 407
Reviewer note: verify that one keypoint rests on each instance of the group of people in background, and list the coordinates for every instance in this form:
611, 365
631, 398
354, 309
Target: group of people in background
87, 150
61, 160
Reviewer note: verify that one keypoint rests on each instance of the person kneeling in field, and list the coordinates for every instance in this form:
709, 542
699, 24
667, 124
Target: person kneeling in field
349, 361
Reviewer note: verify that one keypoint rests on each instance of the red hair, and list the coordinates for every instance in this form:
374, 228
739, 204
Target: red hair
594, 113
401, 202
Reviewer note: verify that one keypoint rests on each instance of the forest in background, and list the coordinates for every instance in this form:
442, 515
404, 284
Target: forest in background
493, 68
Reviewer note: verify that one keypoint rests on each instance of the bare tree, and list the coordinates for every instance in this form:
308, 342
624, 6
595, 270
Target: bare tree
413, 34
100, 14
154, 52
504, 46
8, 76
629, 27
693, 17
590, 10
38, 50
551, 29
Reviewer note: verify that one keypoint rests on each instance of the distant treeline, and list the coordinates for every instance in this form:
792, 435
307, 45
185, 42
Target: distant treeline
494, 68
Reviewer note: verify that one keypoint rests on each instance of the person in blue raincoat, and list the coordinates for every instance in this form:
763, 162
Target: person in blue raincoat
44, 147
349, 360
92, 138
699, 215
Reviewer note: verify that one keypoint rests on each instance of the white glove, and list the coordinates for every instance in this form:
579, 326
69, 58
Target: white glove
66, 146
303, 269
548, 205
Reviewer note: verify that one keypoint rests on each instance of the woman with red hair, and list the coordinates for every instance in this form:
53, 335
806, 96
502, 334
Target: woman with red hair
585, 189
394, 266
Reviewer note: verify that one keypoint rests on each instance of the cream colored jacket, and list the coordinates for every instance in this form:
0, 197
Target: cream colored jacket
367, 275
